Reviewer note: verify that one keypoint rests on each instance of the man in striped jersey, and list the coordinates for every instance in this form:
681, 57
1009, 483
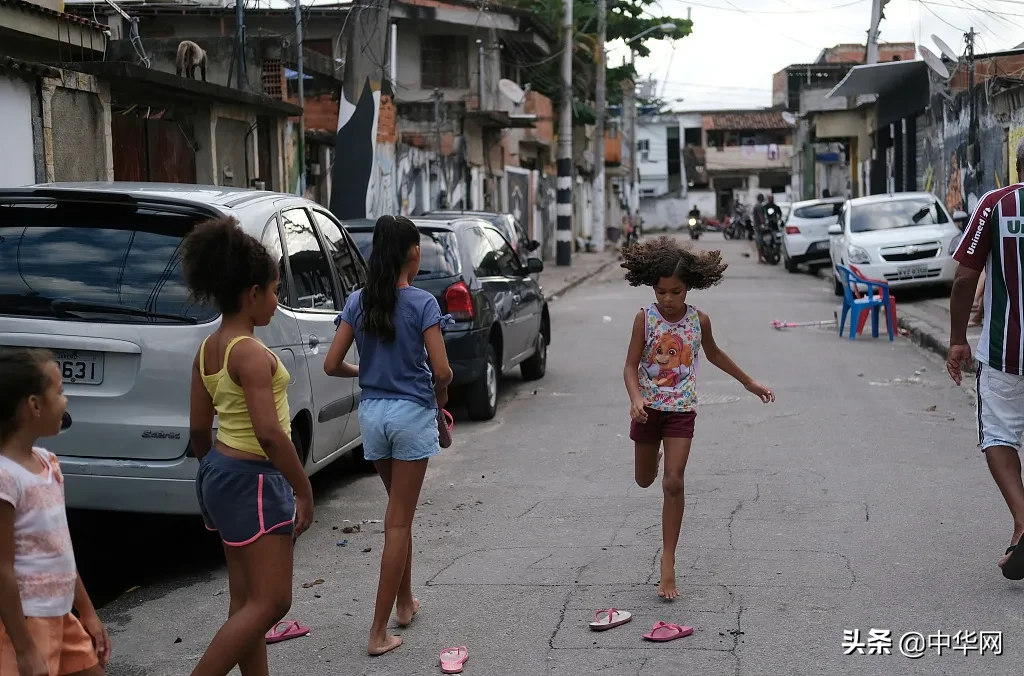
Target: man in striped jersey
994, 243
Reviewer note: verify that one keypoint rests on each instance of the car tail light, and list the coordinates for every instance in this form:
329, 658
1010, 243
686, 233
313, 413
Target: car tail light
459, 302
792, 230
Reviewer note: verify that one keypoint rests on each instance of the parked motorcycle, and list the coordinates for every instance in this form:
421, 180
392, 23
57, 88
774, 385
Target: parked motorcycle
695, 226
736, 228
771, 238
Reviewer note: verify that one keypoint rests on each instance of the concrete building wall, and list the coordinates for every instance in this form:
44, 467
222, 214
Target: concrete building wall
16, 141
76, 140
232, 152
410, 45
652, 163
670, 213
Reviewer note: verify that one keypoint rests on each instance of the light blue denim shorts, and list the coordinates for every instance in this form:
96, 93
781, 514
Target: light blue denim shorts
1000, 408
398, 429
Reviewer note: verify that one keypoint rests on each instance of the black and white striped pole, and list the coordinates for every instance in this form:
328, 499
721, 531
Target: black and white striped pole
563, 231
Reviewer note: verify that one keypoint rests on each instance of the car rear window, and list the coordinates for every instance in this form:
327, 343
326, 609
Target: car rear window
818, 211
439, 255
902, 213
121, 268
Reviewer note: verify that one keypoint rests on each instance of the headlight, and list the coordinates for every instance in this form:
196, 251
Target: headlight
857, 256
954, 244
693, 221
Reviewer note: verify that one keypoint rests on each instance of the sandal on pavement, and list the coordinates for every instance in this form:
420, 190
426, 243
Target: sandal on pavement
452, 660
283, 631
664, 631
609, 619
445, 423
1013, 569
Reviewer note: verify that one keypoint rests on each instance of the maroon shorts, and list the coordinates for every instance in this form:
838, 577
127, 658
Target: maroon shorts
662, 425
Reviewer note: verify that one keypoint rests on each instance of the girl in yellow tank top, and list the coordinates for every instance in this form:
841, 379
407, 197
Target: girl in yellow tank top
252, 488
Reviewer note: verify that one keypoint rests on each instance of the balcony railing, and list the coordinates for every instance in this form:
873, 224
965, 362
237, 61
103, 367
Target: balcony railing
749, 157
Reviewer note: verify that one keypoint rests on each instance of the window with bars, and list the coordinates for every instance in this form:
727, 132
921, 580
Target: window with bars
644, 147
444, 61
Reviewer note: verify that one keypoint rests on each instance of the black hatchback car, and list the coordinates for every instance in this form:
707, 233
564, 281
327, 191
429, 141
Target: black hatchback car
501, 317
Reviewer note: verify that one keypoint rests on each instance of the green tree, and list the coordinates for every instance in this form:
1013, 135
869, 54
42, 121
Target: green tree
625, 19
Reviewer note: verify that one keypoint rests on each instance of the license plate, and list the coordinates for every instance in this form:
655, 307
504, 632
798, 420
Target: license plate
79, 367
912, 271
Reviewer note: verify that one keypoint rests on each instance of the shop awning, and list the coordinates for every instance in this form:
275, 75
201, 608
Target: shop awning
877, 78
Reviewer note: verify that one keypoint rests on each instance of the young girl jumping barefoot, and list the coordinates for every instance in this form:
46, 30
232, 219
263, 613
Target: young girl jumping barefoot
404, 373
252, 487
39, 583
661, 374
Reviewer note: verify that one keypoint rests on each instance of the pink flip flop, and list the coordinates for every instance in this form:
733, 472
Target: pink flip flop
664, 631
283, 631
609, 619
452, 659
445, 423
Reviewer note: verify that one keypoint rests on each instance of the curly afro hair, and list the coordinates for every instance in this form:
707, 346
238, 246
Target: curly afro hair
650, 261
221, 262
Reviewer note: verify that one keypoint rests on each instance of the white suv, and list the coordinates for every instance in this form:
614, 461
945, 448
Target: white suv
92, 272
805, 239
906, 239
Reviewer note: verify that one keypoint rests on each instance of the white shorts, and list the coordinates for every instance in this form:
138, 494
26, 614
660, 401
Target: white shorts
1000, 408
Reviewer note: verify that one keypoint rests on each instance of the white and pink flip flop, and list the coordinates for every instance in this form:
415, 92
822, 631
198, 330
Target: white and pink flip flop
445, 423
452, 659
665, 631
609, 619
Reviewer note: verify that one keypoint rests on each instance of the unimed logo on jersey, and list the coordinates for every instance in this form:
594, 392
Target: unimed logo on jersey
1012, 225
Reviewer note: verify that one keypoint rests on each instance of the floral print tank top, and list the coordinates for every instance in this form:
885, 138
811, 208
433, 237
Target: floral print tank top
668, 368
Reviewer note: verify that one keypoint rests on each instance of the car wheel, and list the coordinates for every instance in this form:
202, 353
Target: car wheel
791, 265
482, 395
535, 367
837, 287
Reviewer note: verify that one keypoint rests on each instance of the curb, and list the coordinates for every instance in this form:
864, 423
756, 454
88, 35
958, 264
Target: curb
576, 282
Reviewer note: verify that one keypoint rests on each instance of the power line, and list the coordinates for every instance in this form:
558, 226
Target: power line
734, 8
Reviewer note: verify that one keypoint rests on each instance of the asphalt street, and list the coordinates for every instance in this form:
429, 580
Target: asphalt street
858, 501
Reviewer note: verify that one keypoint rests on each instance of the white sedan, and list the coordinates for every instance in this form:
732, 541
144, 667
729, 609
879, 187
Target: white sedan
906, 239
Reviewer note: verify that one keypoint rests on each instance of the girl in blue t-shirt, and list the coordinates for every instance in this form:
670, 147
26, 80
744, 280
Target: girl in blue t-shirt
404, 374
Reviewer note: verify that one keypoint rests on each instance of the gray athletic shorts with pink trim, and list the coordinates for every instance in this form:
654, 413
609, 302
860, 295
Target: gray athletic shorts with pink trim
244, 499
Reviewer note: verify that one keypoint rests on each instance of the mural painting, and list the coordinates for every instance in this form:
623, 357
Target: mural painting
1015, 137
355, 154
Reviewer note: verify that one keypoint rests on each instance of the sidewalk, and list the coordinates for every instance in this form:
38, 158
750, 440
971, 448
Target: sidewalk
557, 280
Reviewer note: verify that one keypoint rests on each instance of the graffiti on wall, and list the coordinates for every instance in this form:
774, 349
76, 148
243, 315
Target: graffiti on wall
354, 153
1015, 137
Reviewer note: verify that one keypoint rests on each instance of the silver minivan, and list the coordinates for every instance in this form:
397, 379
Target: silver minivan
92, 272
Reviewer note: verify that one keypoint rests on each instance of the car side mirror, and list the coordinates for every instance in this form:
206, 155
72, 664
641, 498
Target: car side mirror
534, 265
532, 245
834, 230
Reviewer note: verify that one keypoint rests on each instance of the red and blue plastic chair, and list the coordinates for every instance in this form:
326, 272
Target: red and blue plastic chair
876, 299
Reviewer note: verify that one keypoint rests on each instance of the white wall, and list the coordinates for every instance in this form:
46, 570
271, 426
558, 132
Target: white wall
670, 213
653, 171
16, 149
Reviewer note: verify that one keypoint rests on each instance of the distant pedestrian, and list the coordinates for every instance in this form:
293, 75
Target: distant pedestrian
251, 485
39, 581
661, 373
404, 375
991, 245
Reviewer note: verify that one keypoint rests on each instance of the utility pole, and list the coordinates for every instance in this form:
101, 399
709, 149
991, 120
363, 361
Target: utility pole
972, 129
876, 19
302, 98
563, 232
602, 106
240, 43
438, 98
634, 196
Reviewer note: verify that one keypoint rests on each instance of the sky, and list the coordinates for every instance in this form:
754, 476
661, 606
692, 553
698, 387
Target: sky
737, 45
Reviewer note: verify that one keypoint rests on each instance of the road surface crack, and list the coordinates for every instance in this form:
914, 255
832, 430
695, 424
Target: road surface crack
561, 619
734, 651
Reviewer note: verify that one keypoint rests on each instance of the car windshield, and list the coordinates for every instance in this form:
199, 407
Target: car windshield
439, 255
903, 213
816, 211
121, 267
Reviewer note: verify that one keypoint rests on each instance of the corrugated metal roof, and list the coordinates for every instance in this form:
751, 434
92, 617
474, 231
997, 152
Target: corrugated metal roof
39, 9
876, 78
755, 119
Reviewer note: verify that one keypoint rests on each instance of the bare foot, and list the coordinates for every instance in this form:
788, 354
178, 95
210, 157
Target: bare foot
667, 586
387, 645
404, 615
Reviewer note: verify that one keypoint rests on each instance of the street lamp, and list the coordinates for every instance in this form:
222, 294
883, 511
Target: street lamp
634, 199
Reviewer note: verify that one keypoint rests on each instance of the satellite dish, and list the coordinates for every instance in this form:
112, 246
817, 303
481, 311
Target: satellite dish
934, 62
789, 118
945, 49
511, 90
